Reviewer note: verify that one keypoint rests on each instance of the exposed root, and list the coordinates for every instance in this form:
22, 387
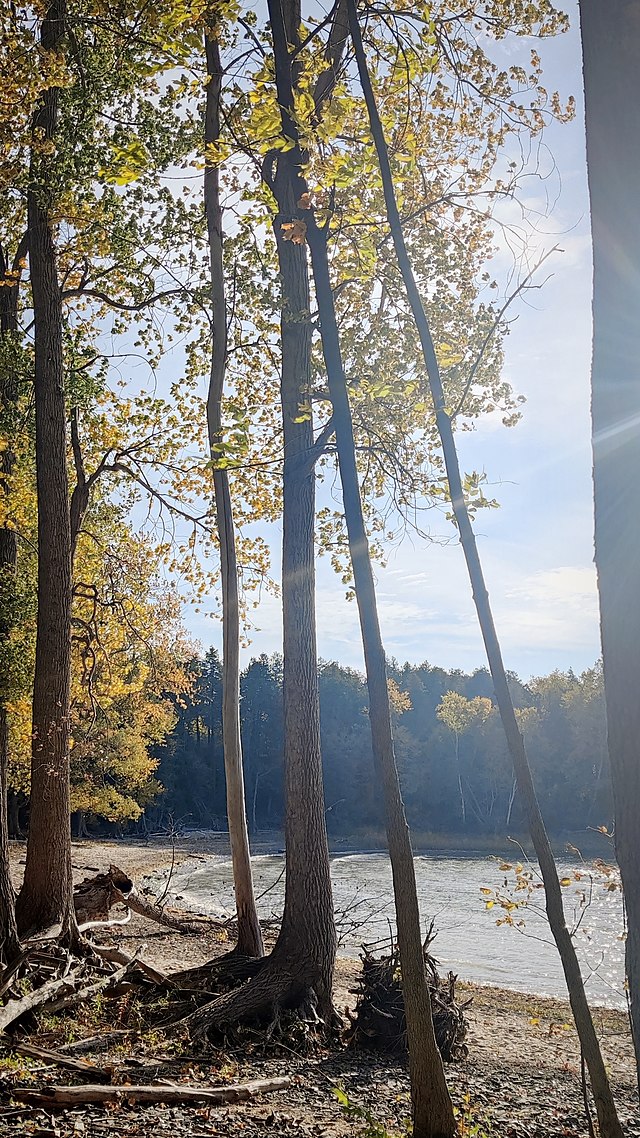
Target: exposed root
379, 1021
275, 1008
220, 974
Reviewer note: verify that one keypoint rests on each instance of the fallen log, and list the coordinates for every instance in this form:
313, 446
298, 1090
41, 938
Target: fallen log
80, 1066
95, 896
78, 1096
94, 1042
116, 956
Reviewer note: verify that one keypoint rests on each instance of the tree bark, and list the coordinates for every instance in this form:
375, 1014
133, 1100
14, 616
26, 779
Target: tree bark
300, 968
46, 895
611, 59
605, 1106
249, 933
9, 941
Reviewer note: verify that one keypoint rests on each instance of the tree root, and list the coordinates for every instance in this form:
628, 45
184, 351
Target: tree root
276, 1006
379, 1020
220, 974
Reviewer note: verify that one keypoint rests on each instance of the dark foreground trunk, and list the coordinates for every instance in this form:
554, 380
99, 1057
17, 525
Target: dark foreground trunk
611, 57
607, 1116
46, 895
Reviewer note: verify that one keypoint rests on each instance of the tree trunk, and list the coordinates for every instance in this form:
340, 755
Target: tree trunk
46, 895
307, 935
432, 1108
463, 808
15, 829
249, 933
606, 1111
611, 58
9, 942
300, 968
308, 932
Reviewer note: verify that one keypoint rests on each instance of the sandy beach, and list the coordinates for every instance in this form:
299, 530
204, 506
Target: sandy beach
522, 1074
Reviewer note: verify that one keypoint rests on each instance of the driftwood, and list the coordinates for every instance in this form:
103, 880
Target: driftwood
16, 1008
379, 1021
79, 1066
116, 956
78, 995
94, 1042
95, 897
78, 1096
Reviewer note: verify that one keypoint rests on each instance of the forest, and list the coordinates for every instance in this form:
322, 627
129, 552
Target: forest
452, 758
258, 266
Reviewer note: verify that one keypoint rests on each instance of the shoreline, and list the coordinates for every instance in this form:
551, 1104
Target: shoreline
153, 862
524, 1058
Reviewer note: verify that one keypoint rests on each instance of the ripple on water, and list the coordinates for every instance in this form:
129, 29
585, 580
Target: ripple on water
468, 940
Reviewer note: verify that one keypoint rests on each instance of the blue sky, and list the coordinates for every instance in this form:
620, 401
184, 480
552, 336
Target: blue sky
537, 548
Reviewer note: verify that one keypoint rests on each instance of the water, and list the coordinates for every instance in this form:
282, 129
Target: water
449, 891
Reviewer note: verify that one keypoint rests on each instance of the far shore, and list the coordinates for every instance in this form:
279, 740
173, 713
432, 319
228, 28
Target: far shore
151, 850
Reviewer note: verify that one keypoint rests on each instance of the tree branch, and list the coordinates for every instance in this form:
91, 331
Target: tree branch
97, 294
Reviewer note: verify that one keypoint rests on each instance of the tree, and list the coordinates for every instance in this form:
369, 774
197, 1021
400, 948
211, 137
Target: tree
249, 934
432, 1107
10, 272
460, 715
46, 895
300, 968
610, 58
58, 155
605, 1106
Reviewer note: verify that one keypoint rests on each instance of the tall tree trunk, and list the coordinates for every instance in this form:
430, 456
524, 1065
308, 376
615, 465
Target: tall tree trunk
432, 1108
611, 59
308, 934
605, 1106
9, 941
300, 968
46, 895
249, 934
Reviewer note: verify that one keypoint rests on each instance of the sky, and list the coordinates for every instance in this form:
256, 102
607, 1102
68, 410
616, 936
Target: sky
537, 549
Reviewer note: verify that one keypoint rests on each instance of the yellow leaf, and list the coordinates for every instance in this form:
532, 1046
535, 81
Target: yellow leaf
565, 881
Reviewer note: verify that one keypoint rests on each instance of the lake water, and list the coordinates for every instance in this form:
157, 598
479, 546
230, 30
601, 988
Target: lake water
449, 889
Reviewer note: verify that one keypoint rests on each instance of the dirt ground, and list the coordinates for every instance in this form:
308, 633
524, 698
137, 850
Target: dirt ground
521, 1079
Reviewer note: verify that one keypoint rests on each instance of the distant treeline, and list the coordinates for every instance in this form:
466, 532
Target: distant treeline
454, 767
